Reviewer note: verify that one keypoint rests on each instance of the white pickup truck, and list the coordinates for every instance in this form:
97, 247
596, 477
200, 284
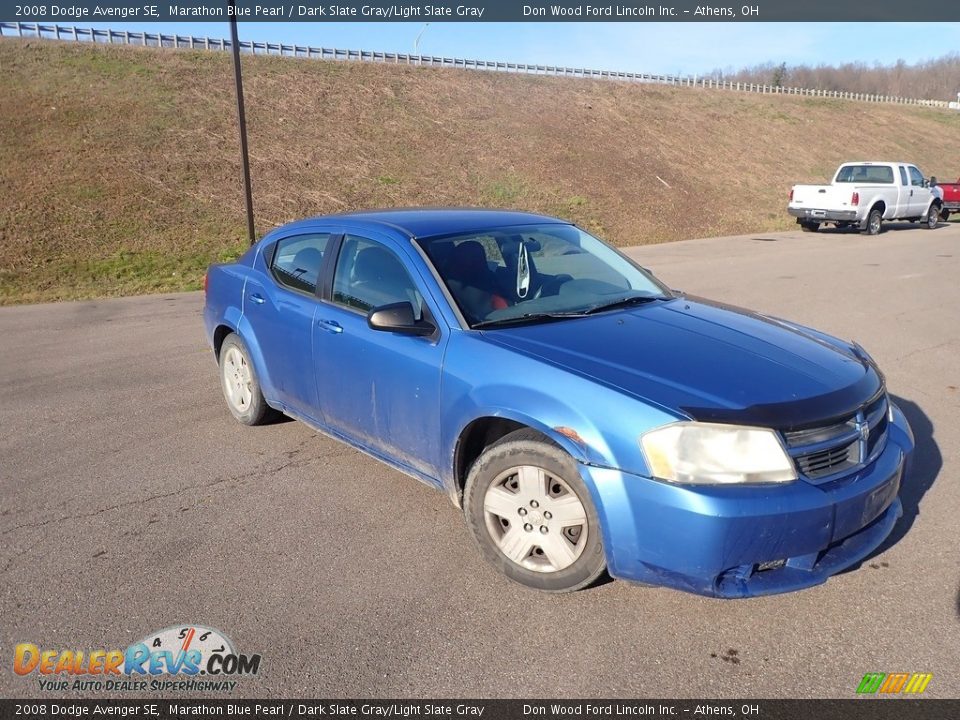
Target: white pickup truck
865, 194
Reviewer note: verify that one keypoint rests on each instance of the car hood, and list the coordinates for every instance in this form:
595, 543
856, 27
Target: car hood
708, 361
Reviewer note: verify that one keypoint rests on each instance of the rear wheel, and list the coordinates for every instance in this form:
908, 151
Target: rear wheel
874, 222
809, 226
241, 388
945, 215
531, 514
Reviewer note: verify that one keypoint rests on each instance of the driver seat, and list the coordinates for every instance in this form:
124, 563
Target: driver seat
476, 284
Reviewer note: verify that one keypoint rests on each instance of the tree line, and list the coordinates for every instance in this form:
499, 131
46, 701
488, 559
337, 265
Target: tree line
937, 79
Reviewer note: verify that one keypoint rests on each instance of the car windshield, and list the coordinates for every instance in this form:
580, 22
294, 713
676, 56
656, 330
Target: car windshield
536, 273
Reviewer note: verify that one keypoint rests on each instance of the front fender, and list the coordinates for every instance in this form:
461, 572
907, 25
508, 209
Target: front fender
562, 424
597, 425
564, 432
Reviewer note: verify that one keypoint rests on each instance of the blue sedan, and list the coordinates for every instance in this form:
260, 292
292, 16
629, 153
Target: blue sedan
584, 416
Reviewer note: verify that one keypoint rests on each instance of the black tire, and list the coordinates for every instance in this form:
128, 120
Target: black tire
945, 215
531, 449
874, 222
255, 410
933, 217
810, 226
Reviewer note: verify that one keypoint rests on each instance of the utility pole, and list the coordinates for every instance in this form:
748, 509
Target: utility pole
242, 120
416, 43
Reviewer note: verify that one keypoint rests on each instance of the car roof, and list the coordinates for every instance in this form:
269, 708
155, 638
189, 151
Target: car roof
427, 222
877, 162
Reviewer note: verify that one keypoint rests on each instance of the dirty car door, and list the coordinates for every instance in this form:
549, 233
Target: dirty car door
379, 388
279, 304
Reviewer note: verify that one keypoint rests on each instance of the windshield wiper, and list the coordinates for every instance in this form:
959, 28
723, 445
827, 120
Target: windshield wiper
623, 302
534, 317
526, 318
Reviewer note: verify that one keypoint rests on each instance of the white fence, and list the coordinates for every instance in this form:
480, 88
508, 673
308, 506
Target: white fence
61, 32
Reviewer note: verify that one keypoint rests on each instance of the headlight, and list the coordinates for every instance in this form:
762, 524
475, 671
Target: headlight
712, 454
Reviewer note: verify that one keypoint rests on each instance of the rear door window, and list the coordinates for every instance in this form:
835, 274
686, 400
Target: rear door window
297, 261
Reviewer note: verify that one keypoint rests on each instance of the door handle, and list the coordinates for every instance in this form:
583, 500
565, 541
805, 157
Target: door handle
257, 298
331, 326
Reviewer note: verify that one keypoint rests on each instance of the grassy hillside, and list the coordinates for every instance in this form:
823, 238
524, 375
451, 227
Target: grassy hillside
119, 166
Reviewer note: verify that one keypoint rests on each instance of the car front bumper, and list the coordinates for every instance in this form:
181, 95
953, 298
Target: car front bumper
733, 542
818, 215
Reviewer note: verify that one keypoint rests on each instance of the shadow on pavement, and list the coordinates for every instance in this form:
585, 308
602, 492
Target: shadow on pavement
927, 462
890, 226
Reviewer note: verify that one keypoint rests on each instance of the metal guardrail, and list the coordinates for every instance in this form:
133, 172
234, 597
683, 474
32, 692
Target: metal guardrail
146, 39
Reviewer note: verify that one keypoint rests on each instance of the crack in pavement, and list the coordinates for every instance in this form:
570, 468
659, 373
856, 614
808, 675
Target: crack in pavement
292, 461
926, 349
16, 556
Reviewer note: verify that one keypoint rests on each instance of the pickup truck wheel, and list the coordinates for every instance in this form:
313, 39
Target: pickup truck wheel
809, 226
874, 222
241, 389
945, 215
531, 514
933, 217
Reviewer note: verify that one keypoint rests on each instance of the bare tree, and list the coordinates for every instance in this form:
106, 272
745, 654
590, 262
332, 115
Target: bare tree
937, 79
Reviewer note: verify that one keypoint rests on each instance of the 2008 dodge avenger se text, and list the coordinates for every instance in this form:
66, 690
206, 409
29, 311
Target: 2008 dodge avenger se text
585, 416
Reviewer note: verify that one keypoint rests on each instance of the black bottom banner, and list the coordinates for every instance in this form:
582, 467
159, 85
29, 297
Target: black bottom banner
853, 709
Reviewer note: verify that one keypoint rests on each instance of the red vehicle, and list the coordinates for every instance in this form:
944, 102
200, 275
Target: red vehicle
951, 199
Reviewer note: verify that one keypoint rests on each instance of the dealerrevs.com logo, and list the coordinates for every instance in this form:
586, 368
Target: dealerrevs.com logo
182, 657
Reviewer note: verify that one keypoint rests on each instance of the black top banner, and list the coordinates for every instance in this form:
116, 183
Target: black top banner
482, 11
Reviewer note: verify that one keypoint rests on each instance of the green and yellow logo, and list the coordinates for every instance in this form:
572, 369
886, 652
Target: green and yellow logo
894, 683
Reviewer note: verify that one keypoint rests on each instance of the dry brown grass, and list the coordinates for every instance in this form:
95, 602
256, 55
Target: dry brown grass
119, 166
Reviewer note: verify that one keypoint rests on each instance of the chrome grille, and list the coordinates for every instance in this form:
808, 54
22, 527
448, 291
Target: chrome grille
826, 451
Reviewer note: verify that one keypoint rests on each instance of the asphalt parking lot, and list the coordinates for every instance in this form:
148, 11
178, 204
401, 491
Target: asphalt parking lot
130, 500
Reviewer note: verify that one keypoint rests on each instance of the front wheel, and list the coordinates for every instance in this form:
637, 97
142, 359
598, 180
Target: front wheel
531, 515
874, 222
933, 217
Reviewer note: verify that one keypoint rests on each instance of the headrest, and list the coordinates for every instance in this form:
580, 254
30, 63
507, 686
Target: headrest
469, 258
309, 260
375, 263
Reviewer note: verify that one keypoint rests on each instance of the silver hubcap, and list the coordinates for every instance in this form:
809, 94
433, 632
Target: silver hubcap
535, 519
237, 380
875, 223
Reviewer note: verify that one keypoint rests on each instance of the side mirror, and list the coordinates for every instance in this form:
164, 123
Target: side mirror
399, 318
